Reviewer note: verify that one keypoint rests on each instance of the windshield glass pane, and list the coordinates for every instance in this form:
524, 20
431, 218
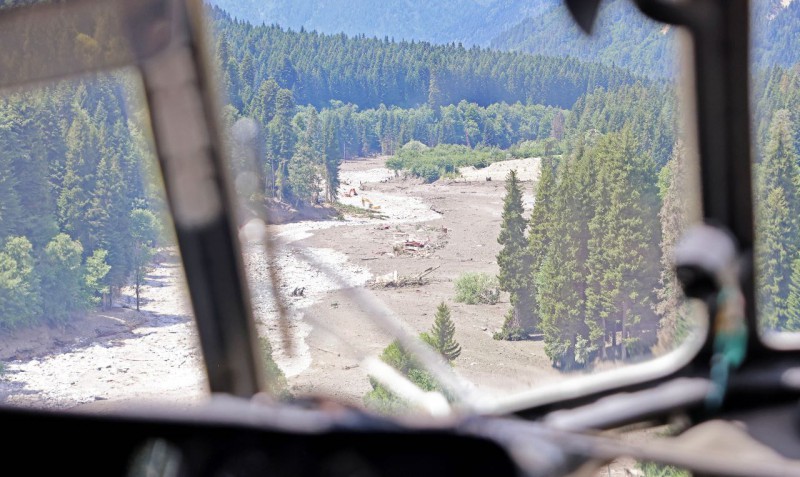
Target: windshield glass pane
480, 175
93, 309
776, 126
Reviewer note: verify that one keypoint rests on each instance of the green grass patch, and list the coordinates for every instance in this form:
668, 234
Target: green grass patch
540, 148
443, 160
657, 470
474, 288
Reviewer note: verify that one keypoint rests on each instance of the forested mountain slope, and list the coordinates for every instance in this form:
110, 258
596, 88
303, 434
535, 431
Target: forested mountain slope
624, 37
471, 22
369, 72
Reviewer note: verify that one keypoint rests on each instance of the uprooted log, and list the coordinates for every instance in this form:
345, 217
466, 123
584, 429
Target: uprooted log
393, 280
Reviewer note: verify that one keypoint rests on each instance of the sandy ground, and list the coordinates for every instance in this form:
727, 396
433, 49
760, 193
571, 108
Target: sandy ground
459, 221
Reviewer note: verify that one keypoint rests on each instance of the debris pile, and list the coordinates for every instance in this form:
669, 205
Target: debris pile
414, 245
393, 280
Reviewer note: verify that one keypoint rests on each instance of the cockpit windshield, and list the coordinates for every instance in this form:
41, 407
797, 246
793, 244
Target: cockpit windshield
437, 204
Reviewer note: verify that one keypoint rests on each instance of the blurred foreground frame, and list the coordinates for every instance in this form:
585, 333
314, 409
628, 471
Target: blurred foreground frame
164, 40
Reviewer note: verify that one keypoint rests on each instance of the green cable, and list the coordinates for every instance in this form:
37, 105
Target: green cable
730, 343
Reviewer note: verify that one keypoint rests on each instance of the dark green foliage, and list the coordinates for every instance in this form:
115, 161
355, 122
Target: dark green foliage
74, 163
512, 329
474, 288
514, 260
670, 306
62, 283
144, 233
20, 302
595, 253
95, 271
381, 399
369, 72
651, 469
432, 163
561, 277
82, 159
537, 148
304, 174
280, 143
778, 221
442, 335
647, 111
624, 255
793, 301
539, 238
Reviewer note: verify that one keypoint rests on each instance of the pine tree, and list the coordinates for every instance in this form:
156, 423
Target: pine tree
624, 238
10, 210
561, 280
262, 108
144, 232
20, 302
539, 235
108, 216
435, 96
304, 175
513, 259
793, 301
280, 141
442, 334
333, 156
778, 221
77, 185
61, 275
95, 271
673, 217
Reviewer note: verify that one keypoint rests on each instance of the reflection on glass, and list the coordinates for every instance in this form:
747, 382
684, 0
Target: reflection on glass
92, 304
511, 196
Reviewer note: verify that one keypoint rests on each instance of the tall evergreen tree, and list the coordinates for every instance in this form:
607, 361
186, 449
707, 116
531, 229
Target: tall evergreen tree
304, 175
10, 210
673, 216
20, 301
539, 235
624, 255
95, 271
82, 160
333, 157
561, 280
280, 142
144, 232
513, 259
778, 220
793, 301
442, 334
61, 275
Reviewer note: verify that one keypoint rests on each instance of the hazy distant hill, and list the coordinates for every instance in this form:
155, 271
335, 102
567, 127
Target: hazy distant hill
624, 37
471, 22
